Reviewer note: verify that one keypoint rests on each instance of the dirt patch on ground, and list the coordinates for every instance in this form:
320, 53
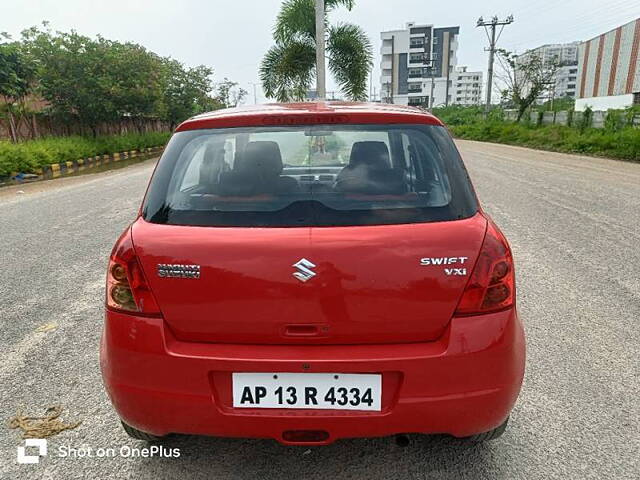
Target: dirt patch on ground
44, 426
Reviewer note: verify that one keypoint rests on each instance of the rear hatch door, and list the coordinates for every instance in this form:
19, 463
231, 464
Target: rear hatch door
311, 285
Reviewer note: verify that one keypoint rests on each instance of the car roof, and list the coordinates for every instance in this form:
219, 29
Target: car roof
309, 113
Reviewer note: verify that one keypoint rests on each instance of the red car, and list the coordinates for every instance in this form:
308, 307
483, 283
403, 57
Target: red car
311, 272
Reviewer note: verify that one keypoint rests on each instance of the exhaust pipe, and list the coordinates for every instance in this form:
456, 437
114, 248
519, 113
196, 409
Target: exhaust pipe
402, 441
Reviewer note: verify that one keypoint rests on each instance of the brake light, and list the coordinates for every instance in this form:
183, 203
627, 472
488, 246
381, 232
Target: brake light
127, 288
491, 286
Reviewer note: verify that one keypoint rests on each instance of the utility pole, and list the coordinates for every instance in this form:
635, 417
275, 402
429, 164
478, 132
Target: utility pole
433, 86
493, 24
320, 63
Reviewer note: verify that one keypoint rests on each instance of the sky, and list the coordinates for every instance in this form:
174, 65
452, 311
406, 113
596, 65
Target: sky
231, 36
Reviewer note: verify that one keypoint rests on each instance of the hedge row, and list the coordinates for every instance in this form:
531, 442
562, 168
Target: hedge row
28, 156
621, 144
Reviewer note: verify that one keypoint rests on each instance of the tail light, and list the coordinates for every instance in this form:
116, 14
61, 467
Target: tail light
127, 288
491, 286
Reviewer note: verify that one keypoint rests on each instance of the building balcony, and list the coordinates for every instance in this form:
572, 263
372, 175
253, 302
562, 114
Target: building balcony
418, 101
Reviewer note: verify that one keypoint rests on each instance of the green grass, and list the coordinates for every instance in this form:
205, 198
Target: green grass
621, 144
28, 156
614, 141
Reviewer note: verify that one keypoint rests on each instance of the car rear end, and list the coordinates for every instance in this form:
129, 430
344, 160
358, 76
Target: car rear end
310, 275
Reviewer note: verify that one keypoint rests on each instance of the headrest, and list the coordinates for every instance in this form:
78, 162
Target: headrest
373, 155
212, 164
262, 158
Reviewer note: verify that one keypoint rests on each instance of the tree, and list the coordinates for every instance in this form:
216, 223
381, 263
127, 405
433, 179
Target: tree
17, 79
526, 78
289, 67
136, 82
228, 94
95, 80
74, 75
186, 91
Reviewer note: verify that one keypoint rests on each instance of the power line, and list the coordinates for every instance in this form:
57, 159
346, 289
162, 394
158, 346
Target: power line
493, 40
547, 6
596, 19
604, 22
622, 7
585, 32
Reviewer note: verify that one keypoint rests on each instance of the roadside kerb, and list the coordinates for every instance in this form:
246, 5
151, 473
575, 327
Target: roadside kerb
56, 170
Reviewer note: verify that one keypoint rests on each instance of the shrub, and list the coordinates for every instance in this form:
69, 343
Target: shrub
617, 140
28, 156
623, 143
615, 120
587, 118
458, 115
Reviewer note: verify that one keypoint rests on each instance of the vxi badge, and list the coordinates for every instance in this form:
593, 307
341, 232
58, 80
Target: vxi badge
304, 272
436, 261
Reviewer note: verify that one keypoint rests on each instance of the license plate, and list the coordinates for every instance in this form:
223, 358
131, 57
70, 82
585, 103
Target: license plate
334, 391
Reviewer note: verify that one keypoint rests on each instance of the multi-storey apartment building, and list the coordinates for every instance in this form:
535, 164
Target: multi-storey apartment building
609, 69
417, 65
467, 87
566, 56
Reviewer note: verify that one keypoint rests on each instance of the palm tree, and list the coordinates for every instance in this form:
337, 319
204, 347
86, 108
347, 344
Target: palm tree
289, 67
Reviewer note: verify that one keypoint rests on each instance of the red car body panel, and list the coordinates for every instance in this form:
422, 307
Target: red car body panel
464, 383
246, 292
371, 309
309, 114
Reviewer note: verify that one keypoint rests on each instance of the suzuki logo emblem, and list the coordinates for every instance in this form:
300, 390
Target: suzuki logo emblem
304, 272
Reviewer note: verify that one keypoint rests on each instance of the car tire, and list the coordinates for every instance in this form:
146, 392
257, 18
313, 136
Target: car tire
138, 434
487, 436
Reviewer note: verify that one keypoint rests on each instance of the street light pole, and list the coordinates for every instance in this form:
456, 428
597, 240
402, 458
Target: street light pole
255, 94
320, 61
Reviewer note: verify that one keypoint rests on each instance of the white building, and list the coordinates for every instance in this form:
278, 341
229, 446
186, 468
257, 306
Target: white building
610, 69
467, 87
417, 65
332, 95
566, 55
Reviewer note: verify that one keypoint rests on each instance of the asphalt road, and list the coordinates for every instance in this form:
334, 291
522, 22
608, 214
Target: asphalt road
572, 221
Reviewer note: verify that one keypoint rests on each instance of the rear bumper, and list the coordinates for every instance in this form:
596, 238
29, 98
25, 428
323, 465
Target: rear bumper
465, 383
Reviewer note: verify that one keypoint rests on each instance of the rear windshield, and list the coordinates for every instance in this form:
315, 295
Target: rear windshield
321, 175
